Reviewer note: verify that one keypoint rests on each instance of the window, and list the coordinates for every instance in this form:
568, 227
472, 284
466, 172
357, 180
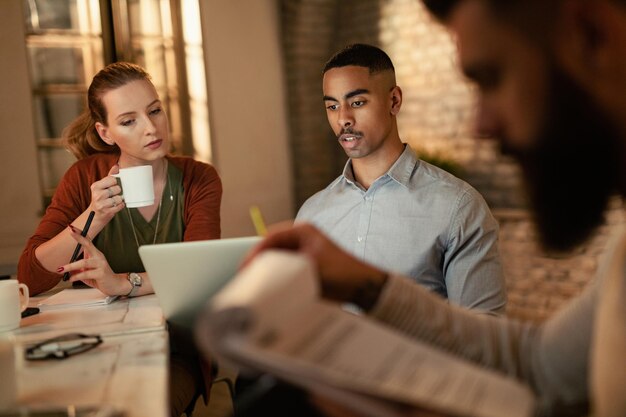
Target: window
69, 41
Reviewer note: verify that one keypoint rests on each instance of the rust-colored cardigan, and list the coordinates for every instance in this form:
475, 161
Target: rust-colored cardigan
203, 194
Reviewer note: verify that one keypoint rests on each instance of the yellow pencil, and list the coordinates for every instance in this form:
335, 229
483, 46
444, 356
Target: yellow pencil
257, 220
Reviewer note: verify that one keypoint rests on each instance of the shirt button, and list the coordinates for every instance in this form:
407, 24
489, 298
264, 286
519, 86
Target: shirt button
368, 198
359, 239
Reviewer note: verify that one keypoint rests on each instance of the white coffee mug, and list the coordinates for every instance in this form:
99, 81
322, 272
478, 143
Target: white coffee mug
13, 300
137, 185
8, 386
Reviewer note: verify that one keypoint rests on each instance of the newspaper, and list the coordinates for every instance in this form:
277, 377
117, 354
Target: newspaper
270, 318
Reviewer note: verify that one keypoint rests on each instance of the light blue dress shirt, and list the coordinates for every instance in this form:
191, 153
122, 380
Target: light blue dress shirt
420, 221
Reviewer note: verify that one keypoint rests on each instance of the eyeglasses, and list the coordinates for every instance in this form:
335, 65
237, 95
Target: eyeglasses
63, 346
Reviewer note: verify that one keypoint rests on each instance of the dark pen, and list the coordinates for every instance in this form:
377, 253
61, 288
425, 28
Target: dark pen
66, 276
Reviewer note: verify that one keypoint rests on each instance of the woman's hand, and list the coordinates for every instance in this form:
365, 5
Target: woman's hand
106, 197
94, 269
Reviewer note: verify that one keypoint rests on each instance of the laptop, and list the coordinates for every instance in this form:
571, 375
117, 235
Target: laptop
185, 275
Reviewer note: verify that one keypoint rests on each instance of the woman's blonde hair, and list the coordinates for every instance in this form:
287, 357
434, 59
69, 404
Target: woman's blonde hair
80, 136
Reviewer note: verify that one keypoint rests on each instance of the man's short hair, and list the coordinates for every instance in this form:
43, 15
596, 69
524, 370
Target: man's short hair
360, 55
532, 18
441, 9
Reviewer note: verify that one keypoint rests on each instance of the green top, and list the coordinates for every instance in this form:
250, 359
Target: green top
117, 240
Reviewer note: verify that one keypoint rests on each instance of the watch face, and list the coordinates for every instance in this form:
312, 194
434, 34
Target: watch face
136, 279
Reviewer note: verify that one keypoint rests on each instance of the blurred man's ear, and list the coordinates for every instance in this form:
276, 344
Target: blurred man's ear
589, 43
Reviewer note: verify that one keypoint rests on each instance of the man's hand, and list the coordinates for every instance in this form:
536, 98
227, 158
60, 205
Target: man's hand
343, 277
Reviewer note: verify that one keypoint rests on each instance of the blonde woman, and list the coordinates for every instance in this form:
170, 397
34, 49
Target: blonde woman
125, 125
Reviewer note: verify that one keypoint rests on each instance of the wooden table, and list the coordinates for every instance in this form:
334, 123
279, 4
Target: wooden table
128, 371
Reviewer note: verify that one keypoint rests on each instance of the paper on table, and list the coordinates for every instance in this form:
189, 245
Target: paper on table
73, 298
270, 318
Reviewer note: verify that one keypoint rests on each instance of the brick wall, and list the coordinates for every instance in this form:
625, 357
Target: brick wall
308, 36
436, 117
539, 282
439, 104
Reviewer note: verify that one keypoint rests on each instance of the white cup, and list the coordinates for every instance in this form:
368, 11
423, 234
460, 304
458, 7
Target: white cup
13, 300
137, 185
8, 387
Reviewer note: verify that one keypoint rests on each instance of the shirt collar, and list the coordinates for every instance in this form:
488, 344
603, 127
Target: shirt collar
400, 171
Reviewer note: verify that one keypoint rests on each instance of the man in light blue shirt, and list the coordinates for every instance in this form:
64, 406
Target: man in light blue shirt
393, 210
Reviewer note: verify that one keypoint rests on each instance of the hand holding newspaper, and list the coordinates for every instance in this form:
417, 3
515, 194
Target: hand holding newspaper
270, 318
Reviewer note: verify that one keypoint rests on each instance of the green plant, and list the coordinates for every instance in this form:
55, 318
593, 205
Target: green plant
440, 160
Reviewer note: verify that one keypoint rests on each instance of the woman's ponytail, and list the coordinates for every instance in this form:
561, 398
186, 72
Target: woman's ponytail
82, 139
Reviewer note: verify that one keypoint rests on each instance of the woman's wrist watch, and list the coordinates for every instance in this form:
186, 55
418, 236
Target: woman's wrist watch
136, 281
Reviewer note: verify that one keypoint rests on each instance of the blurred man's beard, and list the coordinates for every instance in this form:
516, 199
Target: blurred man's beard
573, 169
